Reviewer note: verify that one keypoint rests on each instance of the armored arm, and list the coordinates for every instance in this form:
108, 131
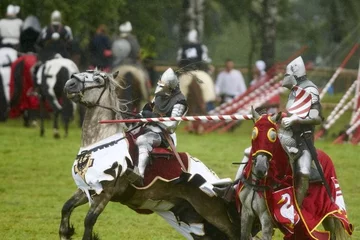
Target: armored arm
177, 111
313, 118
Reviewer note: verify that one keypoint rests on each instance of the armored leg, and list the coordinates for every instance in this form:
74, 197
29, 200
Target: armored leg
302, 176
146, 143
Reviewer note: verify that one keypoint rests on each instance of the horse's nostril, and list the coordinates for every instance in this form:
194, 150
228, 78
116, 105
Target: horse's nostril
72, 84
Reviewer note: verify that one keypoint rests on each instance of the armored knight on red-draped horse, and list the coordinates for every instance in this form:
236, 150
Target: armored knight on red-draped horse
286, 182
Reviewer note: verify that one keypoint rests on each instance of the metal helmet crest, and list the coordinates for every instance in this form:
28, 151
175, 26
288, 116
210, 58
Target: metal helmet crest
167, 83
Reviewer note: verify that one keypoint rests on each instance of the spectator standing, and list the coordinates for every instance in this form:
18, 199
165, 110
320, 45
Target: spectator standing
229, 83
193, 53
55, 38
10, 28
259, 73
100, 49
126, 49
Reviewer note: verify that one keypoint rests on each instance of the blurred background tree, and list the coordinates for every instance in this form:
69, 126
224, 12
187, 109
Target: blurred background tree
244, 30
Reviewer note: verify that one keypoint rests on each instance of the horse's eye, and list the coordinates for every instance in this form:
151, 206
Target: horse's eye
271, 134
255, 133
98, 79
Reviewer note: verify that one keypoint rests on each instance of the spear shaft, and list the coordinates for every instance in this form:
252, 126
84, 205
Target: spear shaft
184, 118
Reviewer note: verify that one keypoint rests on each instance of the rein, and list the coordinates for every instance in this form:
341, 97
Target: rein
100, 147
256, 187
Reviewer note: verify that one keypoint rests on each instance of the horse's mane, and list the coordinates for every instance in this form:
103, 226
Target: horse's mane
120, 104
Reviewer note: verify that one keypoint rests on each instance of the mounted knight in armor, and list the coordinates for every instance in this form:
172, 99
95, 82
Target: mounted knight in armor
193, 53
298, 130
126, 49
168, 102
55, 38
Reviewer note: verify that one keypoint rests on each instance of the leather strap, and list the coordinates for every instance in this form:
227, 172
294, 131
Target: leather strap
173, 148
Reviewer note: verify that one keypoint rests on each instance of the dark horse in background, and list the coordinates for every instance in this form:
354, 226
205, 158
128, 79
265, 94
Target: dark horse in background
50, 79
199, 90
135, 86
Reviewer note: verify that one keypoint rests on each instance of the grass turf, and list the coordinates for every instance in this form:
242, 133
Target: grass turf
36, 181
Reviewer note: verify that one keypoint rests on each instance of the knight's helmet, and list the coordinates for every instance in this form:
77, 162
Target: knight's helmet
294, 71
167, 83
125, 28
55, 17
192, 36
12, 10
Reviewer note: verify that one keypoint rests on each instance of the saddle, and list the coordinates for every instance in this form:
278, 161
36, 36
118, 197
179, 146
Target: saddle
163, 163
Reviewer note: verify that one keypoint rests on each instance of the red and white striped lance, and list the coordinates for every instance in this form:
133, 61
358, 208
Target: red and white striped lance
185, 118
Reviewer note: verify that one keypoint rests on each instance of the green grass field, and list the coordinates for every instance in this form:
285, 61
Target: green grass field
36, 181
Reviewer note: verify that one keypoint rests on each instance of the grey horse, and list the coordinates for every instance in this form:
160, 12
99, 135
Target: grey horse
100, 180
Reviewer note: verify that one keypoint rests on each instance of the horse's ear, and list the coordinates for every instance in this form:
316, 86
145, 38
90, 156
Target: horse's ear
276, 117
255, 115
115, 74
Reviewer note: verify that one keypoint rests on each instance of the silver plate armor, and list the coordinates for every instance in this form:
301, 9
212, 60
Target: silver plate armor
168, 82
294, 70
153, 138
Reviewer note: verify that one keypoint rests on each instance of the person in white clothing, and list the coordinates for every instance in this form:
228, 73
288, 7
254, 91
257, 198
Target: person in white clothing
259, 72
229, 83
10, 28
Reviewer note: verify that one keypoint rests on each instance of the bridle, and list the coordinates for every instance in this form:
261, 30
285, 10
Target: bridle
104, 86
249, 182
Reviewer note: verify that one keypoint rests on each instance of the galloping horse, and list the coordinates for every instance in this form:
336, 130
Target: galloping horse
267, 192
136, 88
51, 77
185, 198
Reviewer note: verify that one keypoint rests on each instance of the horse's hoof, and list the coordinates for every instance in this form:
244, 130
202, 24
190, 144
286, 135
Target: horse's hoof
56, 135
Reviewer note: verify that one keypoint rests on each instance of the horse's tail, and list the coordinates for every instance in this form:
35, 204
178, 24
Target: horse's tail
336, 228
339, 230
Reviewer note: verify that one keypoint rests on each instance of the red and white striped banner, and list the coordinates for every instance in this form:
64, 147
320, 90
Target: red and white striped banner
185, 118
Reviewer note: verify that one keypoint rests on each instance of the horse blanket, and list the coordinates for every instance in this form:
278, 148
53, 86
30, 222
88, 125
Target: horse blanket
301, 223
22, 85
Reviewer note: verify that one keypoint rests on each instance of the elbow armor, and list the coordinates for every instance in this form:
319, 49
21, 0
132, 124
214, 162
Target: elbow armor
177, 111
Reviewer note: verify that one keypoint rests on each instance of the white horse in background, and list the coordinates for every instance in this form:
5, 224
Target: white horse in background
51, 78
7, 57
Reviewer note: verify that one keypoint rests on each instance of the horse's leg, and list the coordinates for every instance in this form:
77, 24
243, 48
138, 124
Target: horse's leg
267, 227
247, 216
213, 210
78, 199
42, 116
56, 124
247, 219
99, 203
335, 227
